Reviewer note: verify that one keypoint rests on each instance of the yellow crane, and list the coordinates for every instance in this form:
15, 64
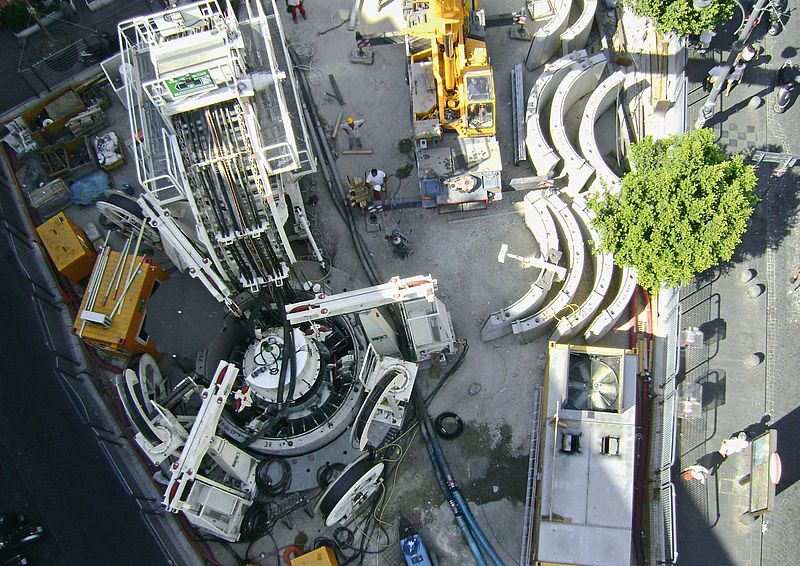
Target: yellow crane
465, 98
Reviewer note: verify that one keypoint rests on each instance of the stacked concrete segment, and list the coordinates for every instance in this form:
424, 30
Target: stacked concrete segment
572, 323
576, 36
541, 224
575, 250
609, 316
578, 82
544, 158
547, 40
603, 97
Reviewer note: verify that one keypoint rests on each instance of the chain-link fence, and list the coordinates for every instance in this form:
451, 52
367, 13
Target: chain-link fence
58, 68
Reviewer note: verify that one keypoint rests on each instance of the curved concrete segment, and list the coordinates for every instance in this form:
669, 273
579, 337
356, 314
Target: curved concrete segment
541, 224
578, 82
577, 35
547, 39
571, 324
603, 98
542, 155
573, 242
608, 317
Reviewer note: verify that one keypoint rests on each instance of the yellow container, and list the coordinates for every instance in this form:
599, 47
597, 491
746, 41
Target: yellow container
126, 333
68, 247
323, 556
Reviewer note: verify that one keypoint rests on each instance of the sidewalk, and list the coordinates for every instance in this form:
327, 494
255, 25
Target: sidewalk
735, 396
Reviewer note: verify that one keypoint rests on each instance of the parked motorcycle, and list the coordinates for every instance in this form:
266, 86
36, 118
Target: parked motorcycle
776, 13
786, 86
17, 532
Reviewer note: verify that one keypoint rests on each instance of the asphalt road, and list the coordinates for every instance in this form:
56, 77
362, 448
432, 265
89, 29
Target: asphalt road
51, 467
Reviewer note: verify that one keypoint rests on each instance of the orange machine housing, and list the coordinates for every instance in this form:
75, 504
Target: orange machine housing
68, 247
126, 334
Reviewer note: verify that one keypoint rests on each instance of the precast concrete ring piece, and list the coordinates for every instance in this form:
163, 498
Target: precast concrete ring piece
603, 98
579, 81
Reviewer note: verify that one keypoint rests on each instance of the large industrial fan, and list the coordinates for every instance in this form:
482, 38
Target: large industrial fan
593, 385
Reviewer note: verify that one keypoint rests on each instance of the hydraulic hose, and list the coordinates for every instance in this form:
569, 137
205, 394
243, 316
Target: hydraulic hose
339, 197
454, 506
440, 463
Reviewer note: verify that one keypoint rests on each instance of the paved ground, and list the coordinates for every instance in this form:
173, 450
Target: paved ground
711, 528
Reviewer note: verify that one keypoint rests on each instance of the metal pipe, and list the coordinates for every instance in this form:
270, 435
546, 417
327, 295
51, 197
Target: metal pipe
135, 251
427, 433
117, 269
125, 290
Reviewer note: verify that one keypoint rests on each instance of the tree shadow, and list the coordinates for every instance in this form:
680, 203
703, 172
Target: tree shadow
773, 218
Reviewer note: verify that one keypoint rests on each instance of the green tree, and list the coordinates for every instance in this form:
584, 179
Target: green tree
681, 210
681, 16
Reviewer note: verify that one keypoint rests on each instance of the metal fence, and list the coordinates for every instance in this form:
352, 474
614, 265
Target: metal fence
60, 67
663, 519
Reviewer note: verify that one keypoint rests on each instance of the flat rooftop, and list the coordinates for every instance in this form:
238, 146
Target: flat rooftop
586, 496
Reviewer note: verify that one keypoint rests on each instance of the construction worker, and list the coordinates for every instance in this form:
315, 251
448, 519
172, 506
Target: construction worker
351, 128
377, 179
295, 6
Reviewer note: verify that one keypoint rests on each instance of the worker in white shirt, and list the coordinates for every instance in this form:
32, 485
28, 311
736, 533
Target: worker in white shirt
377, 179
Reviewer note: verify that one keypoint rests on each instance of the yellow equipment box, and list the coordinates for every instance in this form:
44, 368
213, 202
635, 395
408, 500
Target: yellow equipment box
124, 333
68, 247
323, 556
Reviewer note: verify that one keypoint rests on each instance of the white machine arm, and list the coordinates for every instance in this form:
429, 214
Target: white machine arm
209, 504
397, 290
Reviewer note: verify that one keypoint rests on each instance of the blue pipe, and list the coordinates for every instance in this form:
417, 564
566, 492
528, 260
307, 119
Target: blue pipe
439, 461
476, 530
425, 426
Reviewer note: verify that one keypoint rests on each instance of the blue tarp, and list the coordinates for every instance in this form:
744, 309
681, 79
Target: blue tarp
88, 189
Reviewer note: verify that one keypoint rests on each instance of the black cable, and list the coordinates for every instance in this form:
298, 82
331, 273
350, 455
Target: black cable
449, 372
256, 522
363, 254
266, 485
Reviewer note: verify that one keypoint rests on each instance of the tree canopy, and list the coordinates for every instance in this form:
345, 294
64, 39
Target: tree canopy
682, 209
681, 16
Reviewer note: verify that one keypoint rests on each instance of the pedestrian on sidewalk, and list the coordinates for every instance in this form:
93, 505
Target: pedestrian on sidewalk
377, 180
712, 77
750, 53
735, 76
351, 128
734, 445
704, 40
696, 472
295, 6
